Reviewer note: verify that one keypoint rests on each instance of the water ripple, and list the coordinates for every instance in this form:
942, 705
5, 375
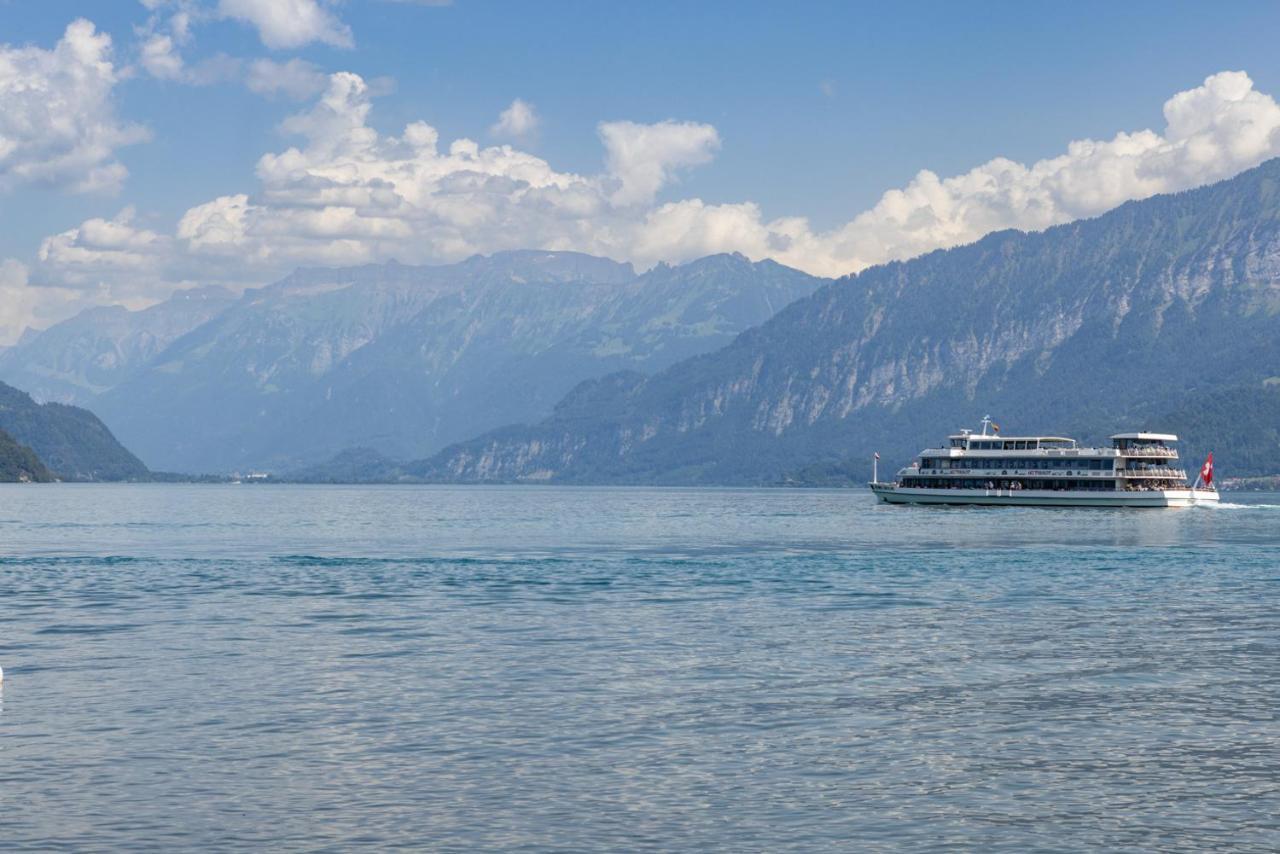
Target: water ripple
632, 669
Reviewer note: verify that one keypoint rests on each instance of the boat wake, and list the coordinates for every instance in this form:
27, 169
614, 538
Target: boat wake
1230, 505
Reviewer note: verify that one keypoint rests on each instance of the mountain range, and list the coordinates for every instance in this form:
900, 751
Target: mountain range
552, 366
400, 360
1161, 314
78, 359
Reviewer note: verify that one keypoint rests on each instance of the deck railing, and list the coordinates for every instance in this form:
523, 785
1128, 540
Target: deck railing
1159, 471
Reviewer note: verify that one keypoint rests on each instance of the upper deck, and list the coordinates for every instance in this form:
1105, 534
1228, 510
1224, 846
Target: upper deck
967, 443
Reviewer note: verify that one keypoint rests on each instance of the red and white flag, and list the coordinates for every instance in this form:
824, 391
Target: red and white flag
1206, 471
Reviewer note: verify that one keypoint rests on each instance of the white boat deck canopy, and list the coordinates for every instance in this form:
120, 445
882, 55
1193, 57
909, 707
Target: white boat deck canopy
993, 437
1147, 437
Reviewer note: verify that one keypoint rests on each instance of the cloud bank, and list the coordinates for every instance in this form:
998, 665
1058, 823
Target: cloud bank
347, 194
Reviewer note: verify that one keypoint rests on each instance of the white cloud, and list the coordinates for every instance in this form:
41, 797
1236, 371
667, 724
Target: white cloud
160, 57
105, 253
347, 194
100, 262
644, 158
169, 29
1212, 132
283, 24
58, 125
518, 121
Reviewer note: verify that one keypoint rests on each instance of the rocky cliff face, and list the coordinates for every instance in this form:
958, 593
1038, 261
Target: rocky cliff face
1090, 326
404, 360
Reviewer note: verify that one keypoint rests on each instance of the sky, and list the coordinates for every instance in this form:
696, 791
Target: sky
153, 145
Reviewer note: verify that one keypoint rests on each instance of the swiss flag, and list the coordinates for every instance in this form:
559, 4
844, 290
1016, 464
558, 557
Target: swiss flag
1206, 470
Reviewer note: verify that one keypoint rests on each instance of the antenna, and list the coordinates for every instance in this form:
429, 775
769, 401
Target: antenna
986, 422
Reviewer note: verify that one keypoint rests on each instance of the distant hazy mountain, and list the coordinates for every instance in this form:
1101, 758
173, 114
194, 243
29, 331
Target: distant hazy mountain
18, 463
397, 359
78, 359
71, 441
1164, 313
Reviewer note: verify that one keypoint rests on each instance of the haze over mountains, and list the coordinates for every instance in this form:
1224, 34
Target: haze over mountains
402, 360
78, 359
1160, 314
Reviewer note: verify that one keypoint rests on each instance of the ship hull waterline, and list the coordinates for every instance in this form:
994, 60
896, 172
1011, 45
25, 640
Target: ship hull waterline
892, 494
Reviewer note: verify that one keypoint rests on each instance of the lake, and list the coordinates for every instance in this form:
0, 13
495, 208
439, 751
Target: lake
297, 667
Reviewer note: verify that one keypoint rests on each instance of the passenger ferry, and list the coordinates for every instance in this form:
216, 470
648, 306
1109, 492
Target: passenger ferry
1138, 470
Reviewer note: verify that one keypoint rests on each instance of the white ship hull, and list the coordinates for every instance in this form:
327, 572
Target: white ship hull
893, 494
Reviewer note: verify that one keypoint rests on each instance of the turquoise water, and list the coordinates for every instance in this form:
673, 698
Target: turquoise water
529, 668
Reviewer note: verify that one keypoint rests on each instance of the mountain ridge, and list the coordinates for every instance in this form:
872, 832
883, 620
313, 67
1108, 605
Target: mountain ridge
20, 464
405, 360
1082, 325
70, 441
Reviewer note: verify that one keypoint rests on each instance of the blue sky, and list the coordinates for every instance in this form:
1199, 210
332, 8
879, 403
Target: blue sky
805, 110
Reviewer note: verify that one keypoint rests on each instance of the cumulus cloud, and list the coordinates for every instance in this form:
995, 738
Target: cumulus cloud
646, 157
283, 24
58, 125
347, 194
1214, 131
518, 121
106, 253
102, 261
